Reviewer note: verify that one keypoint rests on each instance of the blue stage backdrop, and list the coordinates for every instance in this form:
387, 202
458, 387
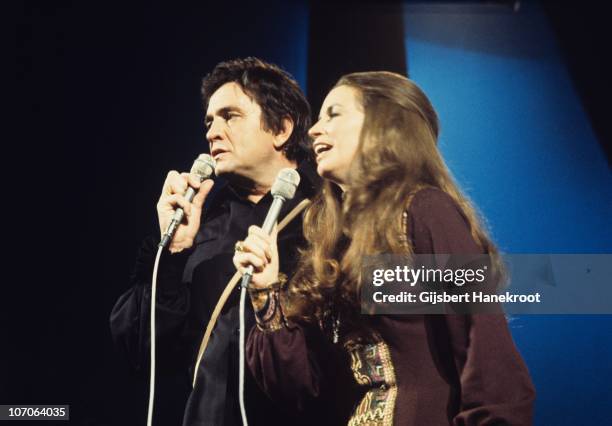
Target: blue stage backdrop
519, 142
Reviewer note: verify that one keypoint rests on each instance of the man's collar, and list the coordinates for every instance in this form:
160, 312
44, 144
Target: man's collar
310, 182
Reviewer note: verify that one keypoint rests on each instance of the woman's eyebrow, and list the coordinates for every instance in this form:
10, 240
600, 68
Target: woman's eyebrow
328, 110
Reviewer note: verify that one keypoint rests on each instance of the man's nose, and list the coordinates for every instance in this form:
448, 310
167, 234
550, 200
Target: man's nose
215, 131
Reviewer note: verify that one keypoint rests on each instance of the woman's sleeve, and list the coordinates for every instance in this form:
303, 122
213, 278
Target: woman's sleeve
495, 384
290, 362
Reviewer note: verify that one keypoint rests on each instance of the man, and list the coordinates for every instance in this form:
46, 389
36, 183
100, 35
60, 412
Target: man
256, 120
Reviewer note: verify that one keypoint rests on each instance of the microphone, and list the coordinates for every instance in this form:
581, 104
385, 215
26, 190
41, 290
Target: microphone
283, 190
203, 167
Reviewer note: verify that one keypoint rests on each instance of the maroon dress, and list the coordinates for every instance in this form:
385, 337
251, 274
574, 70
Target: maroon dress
427, 370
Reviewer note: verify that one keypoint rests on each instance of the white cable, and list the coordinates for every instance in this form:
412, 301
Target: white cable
241, 357
152, 370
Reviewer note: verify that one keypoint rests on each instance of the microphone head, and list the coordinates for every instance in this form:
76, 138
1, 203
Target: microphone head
203, 166
286, 183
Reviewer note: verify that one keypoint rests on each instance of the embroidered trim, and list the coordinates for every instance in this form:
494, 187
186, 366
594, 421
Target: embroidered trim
372, 367
266, 304
403, 238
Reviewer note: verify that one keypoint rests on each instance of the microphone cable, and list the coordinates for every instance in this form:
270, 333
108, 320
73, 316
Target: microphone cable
283, 189
241, 349
204, 167
152, 354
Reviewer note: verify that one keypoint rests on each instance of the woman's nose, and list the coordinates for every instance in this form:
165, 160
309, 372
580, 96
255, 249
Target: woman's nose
315, 130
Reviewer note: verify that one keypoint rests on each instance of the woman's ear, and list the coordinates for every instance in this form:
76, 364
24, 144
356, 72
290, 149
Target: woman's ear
283, 136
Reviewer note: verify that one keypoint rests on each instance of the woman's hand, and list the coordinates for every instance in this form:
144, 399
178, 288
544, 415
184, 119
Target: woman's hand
261, 251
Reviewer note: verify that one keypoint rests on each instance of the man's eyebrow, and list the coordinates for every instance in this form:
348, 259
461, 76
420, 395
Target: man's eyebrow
223, 111
328, 110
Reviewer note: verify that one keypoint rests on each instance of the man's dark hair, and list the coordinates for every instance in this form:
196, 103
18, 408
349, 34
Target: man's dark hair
274, 90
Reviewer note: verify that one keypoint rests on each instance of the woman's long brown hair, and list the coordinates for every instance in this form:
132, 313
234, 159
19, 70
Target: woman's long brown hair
397, 154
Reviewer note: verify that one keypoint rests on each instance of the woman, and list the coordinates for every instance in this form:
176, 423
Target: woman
386, 190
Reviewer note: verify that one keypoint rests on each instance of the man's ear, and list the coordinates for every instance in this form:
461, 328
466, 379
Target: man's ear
284, 134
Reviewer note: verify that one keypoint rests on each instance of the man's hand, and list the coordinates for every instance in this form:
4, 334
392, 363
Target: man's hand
260, 250
171, 198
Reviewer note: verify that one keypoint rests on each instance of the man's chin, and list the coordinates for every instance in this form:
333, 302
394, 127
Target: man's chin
231, 173
224, 168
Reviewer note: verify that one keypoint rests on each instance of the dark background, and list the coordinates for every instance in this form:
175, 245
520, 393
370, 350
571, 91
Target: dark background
108, 101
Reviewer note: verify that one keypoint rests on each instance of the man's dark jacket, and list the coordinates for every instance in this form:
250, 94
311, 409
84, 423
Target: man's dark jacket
189, 286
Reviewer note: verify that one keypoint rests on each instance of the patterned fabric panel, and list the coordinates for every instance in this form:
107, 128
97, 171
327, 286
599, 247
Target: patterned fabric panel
372, 367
